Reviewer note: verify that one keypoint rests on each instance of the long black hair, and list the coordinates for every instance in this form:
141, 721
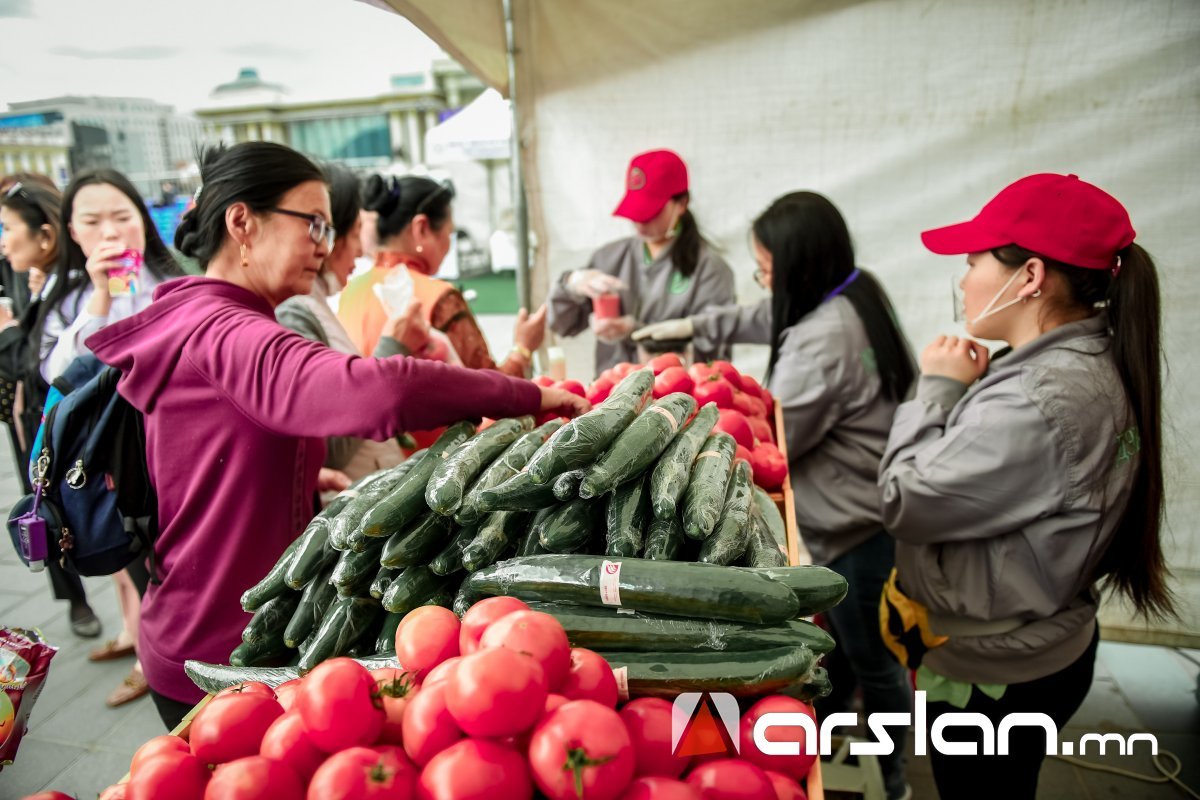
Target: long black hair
1134, 564
345, 197
398, 200
811, 255
37, 205
685, 252
255, 173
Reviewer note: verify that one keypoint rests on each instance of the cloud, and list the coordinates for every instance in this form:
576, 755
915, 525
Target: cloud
267, 50
131, 53
16, 8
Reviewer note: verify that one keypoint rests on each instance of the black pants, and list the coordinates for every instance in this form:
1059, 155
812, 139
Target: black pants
66, 584
1015, 776
171, 712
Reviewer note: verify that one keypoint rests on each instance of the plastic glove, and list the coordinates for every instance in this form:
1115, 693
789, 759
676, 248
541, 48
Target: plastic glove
593, 283
613, 330
395, 291
668, 329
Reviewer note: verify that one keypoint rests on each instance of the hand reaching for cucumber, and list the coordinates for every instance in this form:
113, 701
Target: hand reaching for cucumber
562, 402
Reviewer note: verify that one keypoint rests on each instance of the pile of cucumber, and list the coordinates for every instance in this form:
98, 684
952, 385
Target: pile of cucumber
629, 480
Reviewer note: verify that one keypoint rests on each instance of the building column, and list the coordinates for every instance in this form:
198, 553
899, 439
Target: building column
396, 133
416, 144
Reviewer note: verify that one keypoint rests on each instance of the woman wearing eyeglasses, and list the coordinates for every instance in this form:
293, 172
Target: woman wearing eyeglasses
415, 227
237, 407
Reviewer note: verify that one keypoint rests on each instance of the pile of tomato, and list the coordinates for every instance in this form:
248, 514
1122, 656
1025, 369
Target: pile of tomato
498, 706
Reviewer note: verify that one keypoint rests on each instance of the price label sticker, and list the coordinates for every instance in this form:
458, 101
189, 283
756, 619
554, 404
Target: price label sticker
610, 583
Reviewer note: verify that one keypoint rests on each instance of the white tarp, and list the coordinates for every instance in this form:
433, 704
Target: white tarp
907, 115
481, 131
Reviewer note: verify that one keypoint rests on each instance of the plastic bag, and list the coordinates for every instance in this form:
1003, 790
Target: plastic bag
24, 663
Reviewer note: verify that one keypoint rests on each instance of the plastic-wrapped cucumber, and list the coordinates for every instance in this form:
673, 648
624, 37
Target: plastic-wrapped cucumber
464, 599
406, 502
705, 494
566, 486
451, 478
350, 518
639, 445
497, 532
314, 602
816, 588
814, 686
570, 527
664, 539
657, 587
344, 624
273, 583
671, 474
761, 549
771, 516
271, 618
628, 508
419, 543
443, 597
449, 560
383, 579
353, 573
728, 542
212, 678
742, 674
387, 634
313, 554
582, 440
510, 462
518, 493
268, 651
412, 588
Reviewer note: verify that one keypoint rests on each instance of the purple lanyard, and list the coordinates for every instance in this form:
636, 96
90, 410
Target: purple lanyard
842, 286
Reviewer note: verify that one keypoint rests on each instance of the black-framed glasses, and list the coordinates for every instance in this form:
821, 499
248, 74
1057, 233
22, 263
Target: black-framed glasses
319, 229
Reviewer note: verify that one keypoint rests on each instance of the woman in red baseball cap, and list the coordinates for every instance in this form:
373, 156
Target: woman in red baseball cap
666, 271
1019, 484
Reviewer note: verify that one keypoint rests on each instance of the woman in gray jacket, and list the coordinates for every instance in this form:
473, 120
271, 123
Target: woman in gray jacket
1017, 485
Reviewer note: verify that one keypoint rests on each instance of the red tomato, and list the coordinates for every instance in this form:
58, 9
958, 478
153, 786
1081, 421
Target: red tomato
287, 742
590, 678
48, 795
232, 726
286, 693
769, 467
364, 773
394, 690
702, 372
582, 745
731, 779
657, 788
574, 387
155, 747
713, 389
751, 386
544, 381
180, 776
428, 725
769, 401
757, 407
482, 614
475, 769
648, 720
623, 369
673, 379
248, 687
729, 372
538, 635
734, 423
786, 788
664, 362
426, 637
743, 403
337, 706
600, 389
796, 766
254, 778
762, 430
441, 672
496, 692
742, 454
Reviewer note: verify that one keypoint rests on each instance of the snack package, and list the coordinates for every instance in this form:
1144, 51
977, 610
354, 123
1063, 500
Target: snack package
123, 279
24, 663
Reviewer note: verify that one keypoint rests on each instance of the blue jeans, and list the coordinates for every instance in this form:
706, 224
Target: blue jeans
860, 659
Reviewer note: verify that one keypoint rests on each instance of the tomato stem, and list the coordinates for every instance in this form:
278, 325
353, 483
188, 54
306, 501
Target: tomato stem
577, 761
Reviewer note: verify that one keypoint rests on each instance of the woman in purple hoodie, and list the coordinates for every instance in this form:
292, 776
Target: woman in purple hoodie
237, 407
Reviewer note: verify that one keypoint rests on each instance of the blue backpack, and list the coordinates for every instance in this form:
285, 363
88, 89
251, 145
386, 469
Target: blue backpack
92, 483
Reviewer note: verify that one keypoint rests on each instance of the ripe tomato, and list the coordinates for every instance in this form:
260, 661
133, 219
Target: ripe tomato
731, 779
648, 720
574, 387
496, 692
713, 389
664, 362
751, 386
286, 693
673, 379
180, 776
364, 773
254, 778
482, 614
232, 727
768, 465
590, 678
441, 672
734, 423
248, 687
757, 407
155, 747
600, 389
743, 403
287, 742
48, 795
537, 635
393, 690
623, 369
544, 381
762, 430
729, 372
337, 706
428, 727
785, 788
742, 454
658, 788
426, 637
475, 769
582, 750
796, 766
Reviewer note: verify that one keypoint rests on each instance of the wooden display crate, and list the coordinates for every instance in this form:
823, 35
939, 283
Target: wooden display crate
785, 499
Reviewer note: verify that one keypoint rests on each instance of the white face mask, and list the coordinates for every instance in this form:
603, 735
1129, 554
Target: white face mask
988, 310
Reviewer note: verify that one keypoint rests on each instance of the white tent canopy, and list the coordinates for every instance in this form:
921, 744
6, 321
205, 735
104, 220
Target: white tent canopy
481, 131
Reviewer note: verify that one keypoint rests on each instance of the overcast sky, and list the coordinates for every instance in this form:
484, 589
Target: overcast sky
176, 51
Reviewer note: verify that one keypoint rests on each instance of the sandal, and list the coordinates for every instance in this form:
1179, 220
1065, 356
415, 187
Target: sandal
133, 687
111, 651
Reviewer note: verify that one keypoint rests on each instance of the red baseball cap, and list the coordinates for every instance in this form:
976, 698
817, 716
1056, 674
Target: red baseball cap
1057, 216
653, 179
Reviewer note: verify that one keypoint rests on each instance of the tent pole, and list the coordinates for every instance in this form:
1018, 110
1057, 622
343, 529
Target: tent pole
520, 209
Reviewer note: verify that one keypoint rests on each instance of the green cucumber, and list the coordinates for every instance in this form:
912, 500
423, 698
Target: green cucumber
705, 495
639, 445
671, 475
566, 486
664, 539
418, 544
353, 573
512, 461
628, 508
349, 518
411, 588
816, 588
383, 579
497, 531
406, 502
273, 584
530, 544
451, 479
268, 651
344, 624
569, 528
387, 634
518, 493
815, 686
271, 618
761, 549
212, 678
606, 629
443, 597
449, 560
741, 674
312, 554
314, 601
657, 587
464, 599
728, 541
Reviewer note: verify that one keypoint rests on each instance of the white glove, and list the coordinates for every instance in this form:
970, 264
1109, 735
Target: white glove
614, 329
395, 291
668, 329
592, 283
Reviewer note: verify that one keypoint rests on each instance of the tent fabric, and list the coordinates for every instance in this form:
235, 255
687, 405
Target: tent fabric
906, 115
480, 131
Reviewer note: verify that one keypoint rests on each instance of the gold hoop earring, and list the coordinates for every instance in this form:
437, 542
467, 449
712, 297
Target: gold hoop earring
245, 260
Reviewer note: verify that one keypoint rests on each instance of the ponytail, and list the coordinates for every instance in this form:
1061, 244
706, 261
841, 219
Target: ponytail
685, 252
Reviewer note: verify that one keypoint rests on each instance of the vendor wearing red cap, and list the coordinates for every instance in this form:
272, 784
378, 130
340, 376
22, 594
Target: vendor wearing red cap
1018, 485
666, 271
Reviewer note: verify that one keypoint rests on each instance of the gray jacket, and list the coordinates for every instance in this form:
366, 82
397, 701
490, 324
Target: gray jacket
727, 325
1003, 498
655, 292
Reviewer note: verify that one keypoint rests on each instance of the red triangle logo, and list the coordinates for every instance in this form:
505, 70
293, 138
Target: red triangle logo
704, 735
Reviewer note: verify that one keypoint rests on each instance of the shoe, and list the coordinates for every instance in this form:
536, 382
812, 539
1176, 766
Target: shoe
84, 623
133, 687
111, 651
